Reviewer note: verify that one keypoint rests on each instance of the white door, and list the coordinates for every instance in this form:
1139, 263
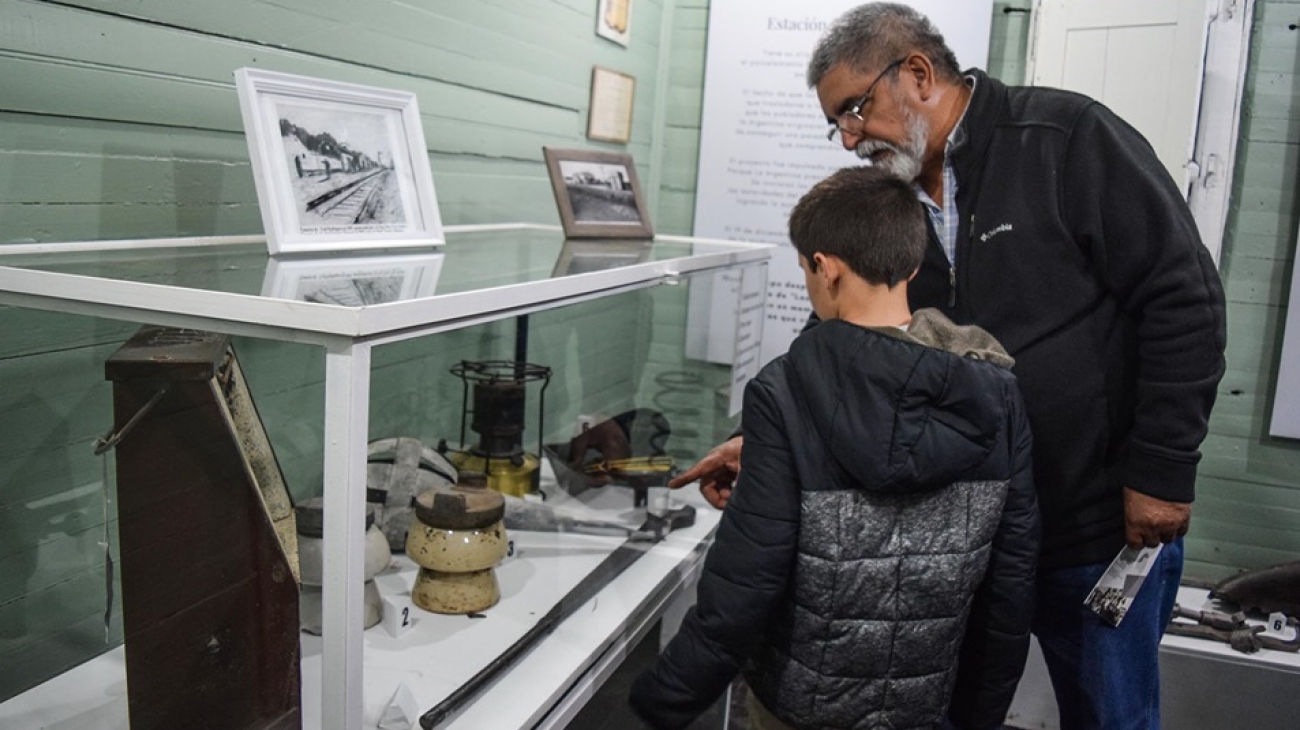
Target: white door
1142, 58
1174, 69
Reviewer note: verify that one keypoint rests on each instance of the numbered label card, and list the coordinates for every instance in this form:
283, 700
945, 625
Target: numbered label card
512, 552
399, 615
1277, 625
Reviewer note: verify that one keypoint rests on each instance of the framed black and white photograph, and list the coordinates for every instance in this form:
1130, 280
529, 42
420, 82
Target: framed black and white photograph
597, 194
614, 20
353, 281
338, 167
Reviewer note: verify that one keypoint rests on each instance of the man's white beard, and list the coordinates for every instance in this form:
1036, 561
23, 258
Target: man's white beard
902, 161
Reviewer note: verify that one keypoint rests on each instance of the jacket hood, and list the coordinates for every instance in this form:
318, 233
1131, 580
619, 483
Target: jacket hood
902, 411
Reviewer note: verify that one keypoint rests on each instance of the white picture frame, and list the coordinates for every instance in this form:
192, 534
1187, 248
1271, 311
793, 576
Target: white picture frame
614, 20
338, 167
352, 281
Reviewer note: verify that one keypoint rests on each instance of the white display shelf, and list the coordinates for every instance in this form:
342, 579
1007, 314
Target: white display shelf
440, 653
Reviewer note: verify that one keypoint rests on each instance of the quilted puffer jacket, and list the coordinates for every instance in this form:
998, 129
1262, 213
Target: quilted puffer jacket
876, 560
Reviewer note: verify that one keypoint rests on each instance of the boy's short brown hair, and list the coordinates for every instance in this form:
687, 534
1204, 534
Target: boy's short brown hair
867, 217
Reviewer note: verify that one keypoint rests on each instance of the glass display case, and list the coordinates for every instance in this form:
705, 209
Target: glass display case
335, 360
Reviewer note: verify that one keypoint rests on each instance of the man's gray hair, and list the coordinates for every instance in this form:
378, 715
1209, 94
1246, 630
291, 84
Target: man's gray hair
872, 36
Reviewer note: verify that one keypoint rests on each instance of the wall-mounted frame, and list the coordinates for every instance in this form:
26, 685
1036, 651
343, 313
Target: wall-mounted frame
337, 166
614, 20
609, 118
597, 194
352, 281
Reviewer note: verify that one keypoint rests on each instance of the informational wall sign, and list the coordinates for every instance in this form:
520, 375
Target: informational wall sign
763, 145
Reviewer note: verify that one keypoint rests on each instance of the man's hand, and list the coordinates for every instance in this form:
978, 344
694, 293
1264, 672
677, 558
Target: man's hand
717, 472
1149, 521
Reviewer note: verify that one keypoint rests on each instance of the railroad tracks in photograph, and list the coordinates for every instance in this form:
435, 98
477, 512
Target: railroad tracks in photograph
352, 202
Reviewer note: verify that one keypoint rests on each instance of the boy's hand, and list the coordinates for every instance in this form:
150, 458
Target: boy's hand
1149, 521
717, 472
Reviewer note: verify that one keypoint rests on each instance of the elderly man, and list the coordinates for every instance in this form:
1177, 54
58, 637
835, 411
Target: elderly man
1054, 227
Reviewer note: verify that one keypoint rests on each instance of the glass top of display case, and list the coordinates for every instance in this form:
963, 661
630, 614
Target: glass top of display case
479, 271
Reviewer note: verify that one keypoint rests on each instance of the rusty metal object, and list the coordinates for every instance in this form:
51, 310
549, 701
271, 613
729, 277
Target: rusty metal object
1232, 629
1268, 590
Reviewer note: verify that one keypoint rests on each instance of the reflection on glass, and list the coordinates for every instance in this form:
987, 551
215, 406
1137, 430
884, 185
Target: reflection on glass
353, 281
585, 256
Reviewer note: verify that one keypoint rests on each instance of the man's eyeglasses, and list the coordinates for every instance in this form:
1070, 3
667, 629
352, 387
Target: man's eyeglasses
850, 121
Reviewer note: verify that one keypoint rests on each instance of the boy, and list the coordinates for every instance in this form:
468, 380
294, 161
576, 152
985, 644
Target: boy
876, 560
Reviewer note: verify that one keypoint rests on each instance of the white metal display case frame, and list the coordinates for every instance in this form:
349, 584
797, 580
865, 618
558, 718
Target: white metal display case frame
348, 335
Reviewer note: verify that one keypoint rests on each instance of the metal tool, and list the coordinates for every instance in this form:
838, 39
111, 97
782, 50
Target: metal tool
586, 589
530, 516
1232, 629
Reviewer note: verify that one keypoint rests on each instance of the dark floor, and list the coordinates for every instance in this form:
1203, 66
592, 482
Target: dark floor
608, 710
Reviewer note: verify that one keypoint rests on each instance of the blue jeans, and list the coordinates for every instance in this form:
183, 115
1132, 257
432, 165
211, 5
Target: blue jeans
1106, 678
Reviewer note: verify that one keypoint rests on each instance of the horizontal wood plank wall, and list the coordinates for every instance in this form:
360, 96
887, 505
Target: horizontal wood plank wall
112, 122
684, 106
120, 120
1247, 512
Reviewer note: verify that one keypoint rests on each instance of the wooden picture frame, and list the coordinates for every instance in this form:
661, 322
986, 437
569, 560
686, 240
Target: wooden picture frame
598, 194
338, 167
609, 116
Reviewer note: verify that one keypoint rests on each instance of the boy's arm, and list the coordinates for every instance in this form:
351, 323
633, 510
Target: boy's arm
997, 632
745, 577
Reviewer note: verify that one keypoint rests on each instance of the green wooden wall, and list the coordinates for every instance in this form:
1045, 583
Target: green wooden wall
119, 120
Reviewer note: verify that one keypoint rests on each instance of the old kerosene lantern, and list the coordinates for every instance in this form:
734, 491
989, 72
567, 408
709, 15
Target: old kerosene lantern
498, 419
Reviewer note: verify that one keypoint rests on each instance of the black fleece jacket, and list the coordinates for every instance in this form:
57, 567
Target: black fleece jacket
1077, 251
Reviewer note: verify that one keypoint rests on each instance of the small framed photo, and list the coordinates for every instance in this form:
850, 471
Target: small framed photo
338, 167
609, 116
352, 281
614, 20
597, 194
